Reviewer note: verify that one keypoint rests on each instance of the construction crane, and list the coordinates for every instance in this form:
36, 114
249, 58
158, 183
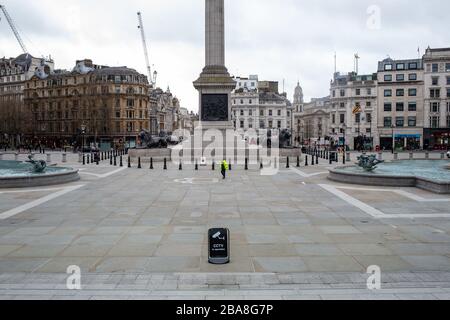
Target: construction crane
13, 28
151, 77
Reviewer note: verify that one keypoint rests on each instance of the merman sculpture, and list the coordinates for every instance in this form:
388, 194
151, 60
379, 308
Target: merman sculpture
38, 165
368, 163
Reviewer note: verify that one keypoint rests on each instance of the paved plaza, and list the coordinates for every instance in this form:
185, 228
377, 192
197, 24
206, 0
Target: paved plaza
140, 233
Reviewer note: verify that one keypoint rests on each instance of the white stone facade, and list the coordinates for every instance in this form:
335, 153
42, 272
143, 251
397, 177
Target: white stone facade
347, 92
400, 104
253, 108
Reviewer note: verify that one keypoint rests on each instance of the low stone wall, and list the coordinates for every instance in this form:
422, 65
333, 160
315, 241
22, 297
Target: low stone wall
434, 186
372, 180
234, 155
389, 181
158, 155
40, 180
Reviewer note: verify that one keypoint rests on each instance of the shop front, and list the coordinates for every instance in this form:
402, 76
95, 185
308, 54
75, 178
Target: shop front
385, 143
437, 139
363, 143
407, 142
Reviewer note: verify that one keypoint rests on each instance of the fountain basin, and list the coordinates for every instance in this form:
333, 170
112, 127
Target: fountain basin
431, 175
16, 174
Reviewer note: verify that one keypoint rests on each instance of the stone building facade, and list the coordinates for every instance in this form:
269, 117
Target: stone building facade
347, 92
91, 105
164, 112
259, 105
14, 72
437, 99
401, 104
312, 123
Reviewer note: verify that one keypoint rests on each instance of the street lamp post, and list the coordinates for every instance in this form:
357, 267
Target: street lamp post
393, 138
83, 133
344, 131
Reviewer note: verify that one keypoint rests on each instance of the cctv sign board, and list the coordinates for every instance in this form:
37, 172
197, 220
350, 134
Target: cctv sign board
219, 246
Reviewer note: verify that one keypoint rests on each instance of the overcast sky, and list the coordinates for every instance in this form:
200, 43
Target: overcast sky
282, 39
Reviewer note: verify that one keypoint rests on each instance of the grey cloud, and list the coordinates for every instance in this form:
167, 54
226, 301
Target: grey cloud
282, 39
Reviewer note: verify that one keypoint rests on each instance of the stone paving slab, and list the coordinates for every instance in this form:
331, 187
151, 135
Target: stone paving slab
170, 286
147, 221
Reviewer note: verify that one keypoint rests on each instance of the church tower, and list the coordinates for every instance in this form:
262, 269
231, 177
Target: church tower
298, 95
298, 98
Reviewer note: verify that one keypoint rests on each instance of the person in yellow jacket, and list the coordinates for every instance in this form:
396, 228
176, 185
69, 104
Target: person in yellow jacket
224, 168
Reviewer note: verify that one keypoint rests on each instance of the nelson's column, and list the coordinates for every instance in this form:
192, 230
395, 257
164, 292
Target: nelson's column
215, 83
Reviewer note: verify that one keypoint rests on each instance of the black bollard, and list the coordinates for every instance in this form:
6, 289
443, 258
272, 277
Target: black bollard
88, 158
129, 162
287, 163
246, 164
92, 158
229, 165
298, 162
196, 165
261, 166
343, 158
331, 160
139, 163
84, 160
97, 161
115, 161
110, 161
180, 167
317, 160
121, 161
312, 160
165, 164
213, 166
151, 163
101, 156
306, 160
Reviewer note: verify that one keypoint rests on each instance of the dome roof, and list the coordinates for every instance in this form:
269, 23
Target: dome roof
24, 60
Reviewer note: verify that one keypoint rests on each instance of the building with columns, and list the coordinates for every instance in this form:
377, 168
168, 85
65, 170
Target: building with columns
437, 98
347, 92
312, 122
